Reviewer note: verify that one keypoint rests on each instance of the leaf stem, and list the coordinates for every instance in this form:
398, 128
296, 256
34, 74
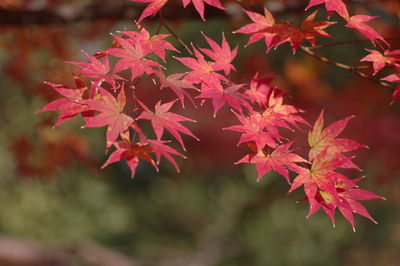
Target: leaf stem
162, 22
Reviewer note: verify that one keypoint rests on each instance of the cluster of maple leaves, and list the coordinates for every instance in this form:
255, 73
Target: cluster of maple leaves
102, 95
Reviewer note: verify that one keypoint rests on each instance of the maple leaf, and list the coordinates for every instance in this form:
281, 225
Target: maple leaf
345, 198
379, 60
151, 9
252, 128
358, 22
279, 114
393, 77
396, 79
131, 153
162, 119
322, 172
155, 43
97, 70
222, 55
132, 56
202, 71
320, 138
219, 96
255, 29
70, 105
276, 34
177, 85
160, 149
111, 114
262, 128
279, 160
308, 30
348, 202
259, 90
199, 5
396, 94
331, 6
320, 182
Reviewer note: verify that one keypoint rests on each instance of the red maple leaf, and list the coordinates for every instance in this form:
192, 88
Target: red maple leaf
155, 43
202, 71
97, 70
348, 201
253, 131
308, 30
162, 119
221, 96
131, 153
358, 22
259, 91
322, 179
151, 9
222, 55
345, 197
177, 85
132, 56
379, 60
111, 114
320, 138
70, 105
331, 6
199, 5
256, 28
396, 79
279, 160
276, 34
282, 115
160, 149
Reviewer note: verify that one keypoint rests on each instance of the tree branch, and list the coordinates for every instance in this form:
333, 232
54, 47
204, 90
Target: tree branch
353, 69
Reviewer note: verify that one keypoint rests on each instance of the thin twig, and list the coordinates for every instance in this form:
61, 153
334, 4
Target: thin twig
162, 22
347, 42
353, 69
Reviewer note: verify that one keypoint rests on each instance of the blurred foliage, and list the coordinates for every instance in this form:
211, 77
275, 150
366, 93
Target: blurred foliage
213, 213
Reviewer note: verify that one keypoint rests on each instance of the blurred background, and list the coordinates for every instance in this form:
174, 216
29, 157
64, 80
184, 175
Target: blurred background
58, 208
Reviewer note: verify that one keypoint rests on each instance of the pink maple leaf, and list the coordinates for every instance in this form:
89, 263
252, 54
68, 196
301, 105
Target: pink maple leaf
132, 56
162, 119
155, 43
199, 5
222, 55
331, 6
221, 96
111, 114
255, 29
160, 149
319, 138
259, 90
202, 71
131, 153
396, 79
70, 105
97, 70
379, 60
358, 22
279, 160
252, 129
151, 9
177, 85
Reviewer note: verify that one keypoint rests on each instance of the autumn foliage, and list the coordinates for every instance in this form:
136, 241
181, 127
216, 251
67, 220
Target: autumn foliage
105, 97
